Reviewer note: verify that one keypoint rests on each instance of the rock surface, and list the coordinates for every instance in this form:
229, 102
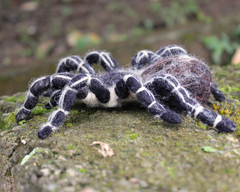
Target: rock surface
150, 155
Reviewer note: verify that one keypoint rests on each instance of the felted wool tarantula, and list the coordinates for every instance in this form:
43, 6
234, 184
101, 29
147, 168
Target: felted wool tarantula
167, 82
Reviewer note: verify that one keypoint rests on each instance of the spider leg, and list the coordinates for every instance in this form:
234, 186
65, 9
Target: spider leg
76, 88
103, 58
218, 95
171, 50
141, 58
56, 81
167, 51
172, 92
147, 99
71, 63
54, 98
74, 63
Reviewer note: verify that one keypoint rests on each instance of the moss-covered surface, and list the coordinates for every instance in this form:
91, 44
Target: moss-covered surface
150, 155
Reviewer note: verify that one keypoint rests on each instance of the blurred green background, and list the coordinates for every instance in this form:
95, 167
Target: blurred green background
34, 35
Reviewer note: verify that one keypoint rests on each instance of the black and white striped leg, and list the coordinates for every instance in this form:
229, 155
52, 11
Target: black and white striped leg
218, 95
147, 99
141, 58
171, 50
171, 91
74, 63
65, 102
103, 58
54, 98
36, 89
57, 81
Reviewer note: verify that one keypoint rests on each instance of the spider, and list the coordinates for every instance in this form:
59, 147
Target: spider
166, 82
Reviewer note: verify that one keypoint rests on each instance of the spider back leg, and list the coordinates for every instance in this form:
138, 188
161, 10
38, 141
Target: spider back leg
171, 91
218, 95
57, 81
171, 50
147, 99
102, 58
141, 58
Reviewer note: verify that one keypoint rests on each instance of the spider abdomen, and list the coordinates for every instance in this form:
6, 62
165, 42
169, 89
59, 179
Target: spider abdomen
192, 74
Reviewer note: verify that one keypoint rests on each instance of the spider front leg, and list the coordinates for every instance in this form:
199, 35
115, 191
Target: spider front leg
103, 58
147, 99
65, 102
57, 81
83, 86
175, 95
54, 98
67, 64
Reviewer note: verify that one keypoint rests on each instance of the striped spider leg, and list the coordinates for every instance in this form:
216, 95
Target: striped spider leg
168, 88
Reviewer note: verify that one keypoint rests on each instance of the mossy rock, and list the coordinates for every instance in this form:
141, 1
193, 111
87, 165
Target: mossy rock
150, 155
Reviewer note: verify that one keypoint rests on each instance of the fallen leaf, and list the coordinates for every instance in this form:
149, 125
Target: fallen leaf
105, 149
208, 149
27, 157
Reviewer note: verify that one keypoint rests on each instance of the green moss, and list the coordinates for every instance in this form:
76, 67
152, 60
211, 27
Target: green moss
20, 160
207, 137
73, 112
132, 136
159, 138
171, 171
14, 99
82, 170
229, 171
8, 173
10, 119
87, 136
69, 125
22, 122
70, 147
38, 110
21, 98
145, 153
10, 99
51, 161
60, 134
179, 144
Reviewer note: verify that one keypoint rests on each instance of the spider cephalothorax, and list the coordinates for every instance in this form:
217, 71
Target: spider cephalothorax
164, 82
